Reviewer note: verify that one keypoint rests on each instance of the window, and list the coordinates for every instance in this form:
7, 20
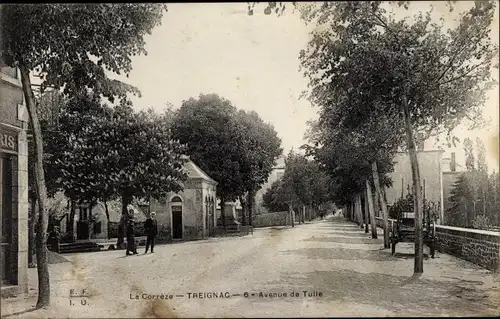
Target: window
176, 199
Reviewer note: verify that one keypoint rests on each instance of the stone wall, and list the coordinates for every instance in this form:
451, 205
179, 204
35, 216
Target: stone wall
478, 246
271, 219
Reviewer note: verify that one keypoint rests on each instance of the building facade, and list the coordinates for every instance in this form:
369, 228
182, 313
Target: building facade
431, 177
276, 174
190, 214
14, 183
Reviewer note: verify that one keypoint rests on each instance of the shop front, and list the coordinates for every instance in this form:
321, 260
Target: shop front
14, 187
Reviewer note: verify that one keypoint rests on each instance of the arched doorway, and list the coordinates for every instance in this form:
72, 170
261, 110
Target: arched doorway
177, 223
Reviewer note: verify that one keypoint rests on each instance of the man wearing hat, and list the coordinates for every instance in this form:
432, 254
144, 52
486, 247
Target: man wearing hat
151, 228
131, 247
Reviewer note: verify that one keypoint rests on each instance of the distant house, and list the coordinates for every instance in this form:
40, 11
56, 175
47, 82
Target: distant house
431, 176
438, 176
190, 214
276, 174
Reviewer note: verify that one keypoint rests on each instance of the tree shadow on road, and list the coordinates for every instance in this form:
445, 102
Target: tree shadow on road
346, 240
406, 296
22, 312
341, 254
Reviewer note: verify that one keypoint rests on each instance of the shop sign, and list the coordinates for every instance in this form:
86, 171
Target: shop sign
8, 141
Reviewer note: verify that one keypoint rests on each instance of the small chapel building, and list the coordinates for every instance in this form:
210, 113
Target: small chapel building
189, 214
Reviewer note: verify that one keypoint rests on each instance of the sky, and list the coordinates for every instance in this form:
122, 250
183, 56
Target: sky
253, 62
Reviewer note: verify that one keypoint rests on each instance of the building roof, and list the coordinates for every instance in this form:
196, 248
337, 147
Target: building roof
194, 172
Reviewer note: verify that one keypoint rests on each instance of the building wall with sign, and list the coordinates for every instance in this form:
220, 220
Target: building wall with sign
14, 184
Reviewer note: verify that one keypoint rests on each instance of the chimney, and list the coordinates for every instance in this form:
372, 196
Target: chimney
453, 163
420, 142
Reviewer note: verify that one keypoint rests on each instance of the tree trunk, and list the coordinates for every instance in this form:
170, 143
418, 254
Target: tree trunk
360, 212
223, 212
106, 210
290, 213
31, 230
382, 203
353, 211
365, 215
371, 211
359, 218
244, 209
251, 198
41, 192
70, 229
303, 214
418, 204
126, 200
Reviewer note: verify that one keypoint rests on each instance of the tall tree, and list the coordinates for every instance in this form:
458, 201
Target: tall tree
271, 199
71, 46
261, 147
429, 78
303, 184
209, 127
469, 154
482, 174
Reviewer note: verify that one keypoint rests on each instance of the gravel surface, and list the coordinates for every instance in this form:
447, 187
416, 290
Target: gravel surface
343, 271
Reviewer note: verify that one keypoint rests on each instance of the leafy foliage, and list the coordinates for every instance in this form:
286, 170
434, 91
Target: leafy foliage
260, 146
474, 193
72, 45
236, 148
117, 152
270, 198
481, 222
303, 183
444, 76
406, 204
208, 127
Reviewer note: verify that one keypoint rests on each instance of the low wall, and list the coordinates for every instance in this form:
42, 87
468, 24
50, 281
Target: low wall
271, 219
113, 229
478, 246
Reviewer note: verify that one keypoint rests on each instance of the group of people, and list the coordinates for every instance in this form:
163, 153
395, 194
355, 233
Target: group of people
151, 230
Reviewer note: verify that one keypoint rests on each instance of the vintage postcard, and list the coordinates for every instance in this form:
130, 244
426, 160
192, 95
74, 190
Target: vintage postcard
250, 159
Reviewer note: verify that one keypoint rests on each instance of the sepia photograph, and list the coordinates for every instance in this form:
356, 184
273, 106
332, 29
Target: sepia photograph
250, 159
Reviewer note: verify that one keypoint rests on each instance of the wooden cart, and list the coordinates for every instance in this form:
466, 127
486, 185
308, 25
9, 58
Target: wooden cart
403, 230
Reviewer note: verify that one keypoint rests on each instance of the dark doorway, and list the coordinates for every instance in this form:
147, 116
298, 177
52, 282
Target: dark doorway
82, 230
211, 217
177, 222
6, 212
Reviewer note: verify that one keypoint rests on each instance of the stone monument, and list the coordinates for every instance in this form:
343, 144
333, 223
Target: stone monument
230, 217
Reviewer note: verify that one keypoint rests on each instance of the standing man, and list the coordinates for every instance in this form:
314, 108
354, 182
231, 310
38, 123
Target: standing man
151, 227
131, 247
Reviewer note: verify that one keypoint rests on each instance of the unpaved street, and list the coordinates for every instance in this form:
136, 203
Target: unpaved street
344, 271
